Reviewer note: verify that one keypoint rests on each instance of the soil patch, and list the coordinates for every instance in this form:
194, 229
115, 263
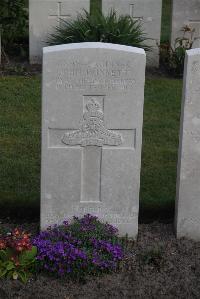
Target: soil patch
156, 266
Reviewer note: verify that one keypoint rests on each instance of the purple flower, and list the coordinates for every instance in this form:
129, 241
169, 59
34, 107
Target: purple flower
86, 244
111, 229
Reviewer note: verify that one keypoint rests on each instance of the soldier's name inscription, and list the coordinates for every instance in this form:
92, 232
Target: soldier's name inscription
106, 75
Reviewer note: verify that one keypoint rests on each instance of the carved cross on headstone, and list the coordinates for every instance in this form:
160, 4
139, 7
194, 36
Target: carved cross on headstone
92, 137
132, 13
195, 24
59, 16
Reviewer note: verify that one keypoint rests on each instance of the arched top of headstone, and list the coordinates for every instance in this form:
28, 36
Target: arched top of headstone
93, 45
193, 52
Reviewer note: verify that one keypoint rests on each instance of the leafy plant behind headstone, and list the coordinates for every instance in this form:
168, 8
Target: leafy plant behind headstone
99, 28
14, 21
173, 57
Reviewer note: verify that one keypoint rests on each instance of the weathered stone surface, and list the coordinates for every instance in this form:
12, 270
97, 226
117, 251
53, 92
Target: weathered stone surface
44, 15
188, 180
93, 97
185, 12
149, 12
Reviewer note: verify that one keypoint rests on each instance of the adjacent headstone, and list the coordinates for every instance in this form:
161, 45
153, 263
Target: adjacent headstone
93, 97
184, 13
188, 181
149, 13
44, 16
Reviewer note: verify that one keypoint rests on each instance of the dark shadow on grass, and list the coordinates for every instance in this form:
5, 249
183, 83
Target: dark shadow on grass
20, 213
26, 213
163, 214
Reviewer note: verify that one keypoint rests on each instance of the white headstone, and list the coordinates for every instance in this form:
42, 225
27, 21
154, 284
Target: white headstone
185, 12
149, 12
93, 97
188, 180
44, 16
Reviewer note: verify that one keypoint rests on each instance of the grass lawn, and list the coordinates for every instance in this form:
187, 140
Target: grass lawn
160, 146
166, 21
20, 103
19, 143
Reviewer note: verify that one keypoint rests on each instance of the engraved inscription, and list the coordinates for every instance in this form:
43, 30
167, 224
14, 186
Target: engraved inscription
92, 131
195, 70
195, 136
195, 67
106, 76
125, 217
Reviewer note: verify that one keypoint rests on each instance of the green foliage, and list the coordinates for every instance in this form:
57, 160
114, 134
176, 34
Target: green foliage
14, 21
173, 57
20, 268
99, 28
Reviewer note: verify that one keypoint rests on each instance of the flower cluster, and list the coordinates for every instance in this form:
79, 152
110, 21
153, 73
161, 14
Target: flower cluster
2, 244
113, 252
17, 255
58, 251
84, 245
16, 240
90, 224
